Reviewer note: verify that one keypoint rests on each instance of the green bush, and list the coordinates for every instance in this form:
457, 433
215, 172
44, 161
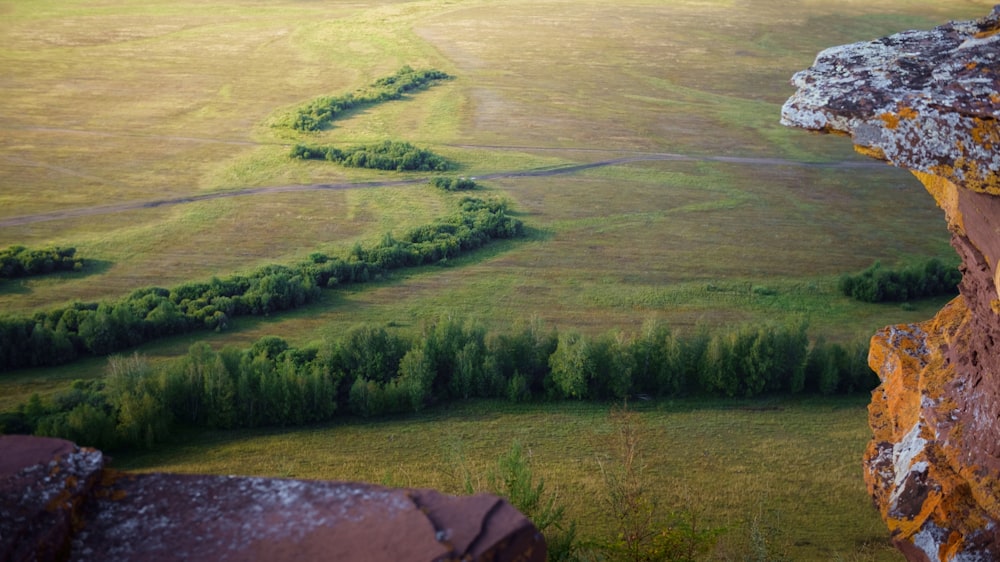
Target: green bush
453, 184
319, 113
18, 261
879, 284
386, 155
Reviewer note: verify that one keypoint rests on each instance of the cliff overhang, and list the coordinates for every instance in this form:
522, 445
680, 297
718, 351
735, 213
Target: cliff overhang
922, 100
929, 101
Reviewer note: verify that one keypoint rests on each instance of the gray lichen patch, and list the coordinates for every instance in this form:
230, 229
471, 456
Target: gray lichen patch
923, 100
236, 518
59, 502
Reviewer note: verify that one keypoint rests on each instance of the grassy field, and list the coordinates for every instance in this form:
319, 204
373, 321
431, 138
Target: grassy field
123, 102
151, 100
789, 465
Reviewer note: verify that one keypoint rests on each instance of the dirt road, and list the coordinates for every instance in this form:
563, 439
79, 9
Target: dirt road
537, 172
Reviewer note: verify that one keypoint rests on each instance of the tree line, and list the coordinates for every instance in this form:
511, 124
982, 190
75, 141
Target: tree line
320, 112
19, 261
386, 155
64, 334
881, 284
371, 371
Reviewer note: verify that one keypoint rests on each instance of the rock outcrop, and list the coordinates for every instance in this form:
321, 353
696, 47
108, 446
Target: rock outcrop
59, 502
929, 101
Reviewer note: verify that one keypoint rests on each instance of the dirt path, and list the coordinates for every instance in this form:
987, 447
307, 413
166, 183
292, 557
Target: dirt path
538, 172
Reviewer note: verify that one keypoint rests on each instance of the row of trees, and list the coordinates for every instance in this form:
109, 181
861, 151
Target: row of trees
61, 335
386, 155
373, 371
880, 284
320, 112
19, 261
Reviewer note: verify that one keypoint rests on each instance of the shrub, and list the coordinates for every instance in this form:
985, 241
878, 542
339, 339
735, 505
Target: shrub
514, 479
386, 155
752, 360
879, 284
571, 367
453, 184
19, 261
319, 113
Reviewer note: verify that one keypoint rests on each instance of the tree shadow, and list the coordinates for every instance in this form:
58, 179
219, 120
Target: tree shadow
22, 285
91, 267
536, 234
344, 115
14, 286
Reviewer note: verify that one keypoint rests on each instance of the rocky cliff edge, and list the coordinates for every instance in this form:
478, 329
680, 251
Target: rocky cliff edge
929, 101
59, 502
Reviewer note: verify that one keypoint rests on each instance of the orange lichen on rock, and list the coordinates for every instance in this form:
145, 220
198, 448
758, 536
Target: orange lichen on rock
945, 194
920, 100
907, 112
891, 120
973, 176
986, 132
870, 151
987, 33
898, 350
930, 102
913, 474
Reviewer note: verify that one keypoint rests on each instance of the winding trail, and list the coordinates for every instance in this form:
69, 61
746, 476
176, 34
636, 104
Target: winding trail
537, 172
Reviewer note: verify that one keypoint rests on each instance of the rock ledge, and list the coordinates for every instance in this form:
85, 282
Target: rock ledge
59, 502
924, 100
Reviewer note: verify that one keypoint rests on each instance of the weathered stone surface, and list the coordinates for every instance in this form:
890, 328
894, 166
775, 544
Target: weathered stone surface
58, 502
923, 100
930, 101
43, 485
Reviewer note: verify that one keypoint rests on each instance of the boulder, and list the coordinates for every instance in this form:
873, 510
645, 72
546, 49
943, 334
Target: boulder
59, 502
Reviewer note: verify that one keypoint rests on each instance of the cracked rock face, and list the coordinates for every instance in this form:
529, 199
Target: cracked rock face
929, 101
58, 502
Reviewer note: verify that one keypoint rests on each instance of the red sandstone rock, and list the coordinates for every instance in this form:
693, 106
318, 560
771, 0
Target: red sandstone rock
57, 502
930, 101
43, 486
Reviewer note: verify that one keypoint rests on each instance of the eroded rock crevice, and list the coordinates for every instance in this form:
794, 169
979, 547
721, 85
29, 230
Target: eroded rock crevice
929, 101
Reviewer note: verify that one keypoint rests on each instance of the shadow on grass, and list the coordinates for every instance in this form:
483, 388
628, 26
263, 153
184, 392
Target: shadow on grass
91, 267
187, 445
356, 111
534, 234
17, 286
344, 115
21, 285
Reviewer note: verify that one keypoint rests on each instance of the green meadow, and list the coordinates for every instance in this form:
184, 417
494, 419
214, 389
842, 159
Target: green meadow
785, 470
709, 213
